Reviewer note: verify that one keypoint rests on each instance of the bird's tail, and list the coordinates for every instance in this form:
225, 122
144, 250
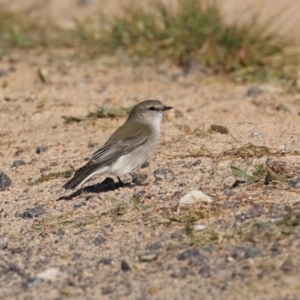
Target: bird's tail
81, 176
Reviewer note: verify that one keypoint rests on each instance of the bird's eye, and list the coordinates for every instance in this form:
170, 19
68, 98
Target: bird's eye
152, 108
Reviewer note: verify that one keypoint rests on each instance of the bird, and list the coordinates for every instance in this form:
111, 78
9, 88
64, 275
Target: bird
130, 146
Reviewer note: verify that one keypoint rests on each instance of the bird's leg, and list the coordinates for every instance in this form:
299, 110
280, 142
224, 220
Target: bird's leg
132, 175
120, 181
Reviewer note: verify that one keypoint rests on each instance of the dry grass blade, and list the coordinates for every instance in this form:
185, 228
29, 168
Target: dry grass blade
105, 111
248, 150
51, 176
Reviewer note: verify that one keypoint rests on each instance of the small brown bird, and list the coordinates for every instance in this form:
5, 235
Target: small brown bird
128, 148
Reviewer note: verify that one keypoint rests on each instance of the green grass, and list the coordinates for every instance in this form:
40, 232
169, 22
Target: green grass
194, 31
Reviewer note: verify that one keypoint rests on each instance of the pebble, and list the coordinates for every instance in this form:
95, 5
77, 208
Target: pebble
295, 183
194, 197
99, 240
18, 163
239, 252
256, 211
105, 261
148, 257
3, 72
16, 250
145, 164
193, 255
252, 252
253, 91
41, 149
257, 134
32, 212
33, 161
178, 113
107, 290
205, 271
125, 266
198, 162
93, 144
79, 205
3, 246
164, 174
4, 181
50, 274
140, 179
18, 152
199, 227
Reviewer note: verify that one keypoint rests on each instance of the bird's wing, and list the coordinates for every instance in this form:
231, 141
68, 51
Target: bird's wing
114, 150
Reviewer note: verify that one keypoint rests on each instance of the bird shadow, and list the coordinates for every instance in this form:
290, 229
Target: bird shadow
108, 184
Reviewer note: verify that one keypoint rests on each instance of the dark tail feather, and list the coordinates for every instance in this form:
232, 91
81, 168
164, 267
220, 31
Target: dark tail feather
79, 176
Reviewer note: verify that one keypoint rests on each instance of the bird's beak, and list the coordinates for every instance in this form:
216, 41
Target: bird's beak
167, 107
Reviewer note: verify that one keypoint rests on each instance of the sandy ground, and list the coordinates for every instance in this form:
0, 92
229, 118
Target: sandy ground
103, 243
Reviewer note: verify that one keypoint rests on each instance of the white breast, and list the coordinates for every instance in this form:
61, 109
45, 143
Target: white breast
129, 162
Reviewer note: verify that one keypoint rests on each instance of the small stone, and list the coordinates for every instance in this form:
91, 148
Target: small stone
187, 254
155, 246
89, 197
253, 91
278, 167
179, 234
32, 212
18, 152
295, 183
105, 261
76, 256
140, 194
41, 149
254, 212
107, 290
205, 271
164, 174
252, 252
125, 266
198, 162
257, 134
178, 113
50, 274
18, 163
53, 164
288, 266
3, 246
148, 257
199, 227
3, 72
45, 169
239, 252
60, 232
93, 144
79, 205
145, 164
180, 273
4, 181
140, 179
16, 250
99, 240
33, 161
194, 197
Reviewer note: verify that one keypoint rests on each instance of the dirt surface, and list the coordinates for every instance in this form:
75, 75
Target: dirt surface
136, 241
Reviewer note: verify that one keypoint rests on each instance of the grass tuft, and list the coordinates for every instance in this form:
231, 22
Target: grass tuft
193, 34
195, 30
